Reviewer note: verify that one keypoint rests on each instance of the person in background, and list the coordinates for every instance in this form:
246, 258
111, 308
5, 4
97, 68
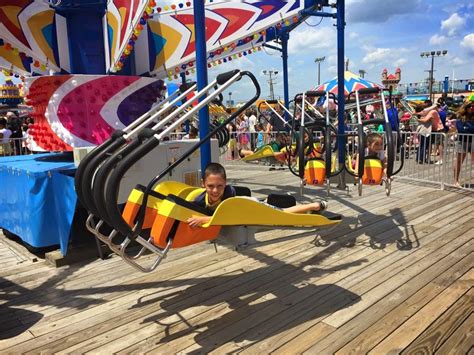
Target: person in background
252, 122
243, 135
275, 122
193, 133
464, 143
439, 127
427, 114
5, 134
14, 125
260, 141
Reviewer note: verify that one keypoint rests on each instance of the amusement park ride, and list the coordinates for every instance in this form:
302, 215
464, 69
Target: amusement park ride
94, 72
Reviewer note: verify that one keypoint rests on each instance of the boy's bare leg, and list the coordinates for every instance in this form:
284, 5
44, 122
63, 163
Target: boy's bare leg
315, 206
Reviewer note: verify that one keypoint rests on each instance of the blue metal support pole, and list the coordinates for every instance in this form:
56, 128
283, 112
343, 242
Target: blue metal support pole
284, 55
201, 67
340, 82
85, 34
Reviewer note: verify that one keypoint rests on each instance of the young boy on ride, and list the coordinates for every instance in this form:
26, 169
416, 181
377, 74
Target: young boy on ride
216, 190
374, 149
277, 145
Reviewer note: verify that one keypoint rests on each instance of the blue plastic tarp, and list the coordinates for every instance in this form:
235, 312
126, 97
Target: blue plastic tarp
37, 199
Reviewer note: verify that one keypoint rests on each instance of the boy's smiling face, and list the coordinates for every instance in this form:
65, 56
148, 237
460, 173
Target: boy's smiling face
215, 186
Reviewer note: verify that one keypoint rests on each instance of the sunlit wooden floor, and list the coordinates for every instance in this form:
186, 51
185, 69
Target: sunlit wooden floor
395, 276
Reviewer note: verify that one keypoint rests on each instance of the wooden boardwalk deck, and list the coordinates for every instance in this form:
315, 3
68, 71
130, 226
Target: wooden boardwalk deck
396, 276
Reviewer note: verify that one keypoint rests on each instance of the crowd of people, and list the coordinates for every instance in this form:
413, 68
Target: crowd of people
423, 129
13, 134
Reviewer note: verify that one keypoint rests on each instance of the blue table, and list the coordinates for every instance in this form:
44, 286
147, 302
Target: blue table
37, 198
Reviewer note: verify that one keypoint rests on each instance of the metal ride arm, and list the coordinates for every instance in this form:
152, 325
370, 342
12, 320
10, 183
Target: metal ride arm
225, 80
93, 172
361, 137
103, 173
268, 103
92, 161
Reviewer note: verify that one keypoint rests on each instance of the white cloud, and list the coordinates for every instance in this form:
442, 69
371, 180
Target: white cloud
400, 62
308, 40
377, 55
332, 59
458, 61
437, 40
332, 69
453, 24
468, 42
353, 35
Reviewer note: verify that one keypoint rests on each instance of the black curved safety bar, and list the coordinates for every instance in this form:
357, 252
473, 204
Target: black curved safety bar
107, 167
373, 121
301, 151
390, 150
225, 77
328, 152
86, 160
113, 185
361, 148
219, 99
87, 177
315, 93
272, 102
367, 91
185, 86
111, 192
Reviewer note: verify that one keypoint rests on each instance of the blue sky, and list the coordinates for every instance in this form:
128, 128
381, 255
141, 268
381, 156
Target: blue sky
379, 34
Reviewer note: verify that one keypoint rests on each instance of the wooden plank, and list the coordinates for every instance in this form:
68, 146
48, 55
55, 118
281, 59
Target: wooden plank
108, 350
206, 300
304, 318
371, 315
108, 316
377, 329
438, 332
462, 340
339, 318
233, 326
408, 331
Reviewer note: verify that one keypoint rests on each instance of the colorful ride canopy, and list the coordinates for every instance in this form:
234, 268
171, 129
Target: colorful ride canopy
352, 82
167, 44
33, 38
83, 110
124, 19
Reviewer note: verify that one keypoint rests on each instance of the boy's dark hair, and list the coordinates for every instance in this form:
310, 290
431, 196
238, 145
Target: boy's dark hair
371, 138
418, 108
214, 169
3, 121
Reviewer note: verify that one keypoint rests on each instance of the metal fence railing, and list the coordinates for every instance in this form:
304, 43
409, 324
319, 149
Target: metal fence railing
444, 159
441, 158
14, 146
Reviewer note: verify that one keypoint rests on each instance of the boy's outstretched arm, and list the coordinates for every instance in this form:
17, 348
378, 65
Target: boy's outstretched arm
198, 221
